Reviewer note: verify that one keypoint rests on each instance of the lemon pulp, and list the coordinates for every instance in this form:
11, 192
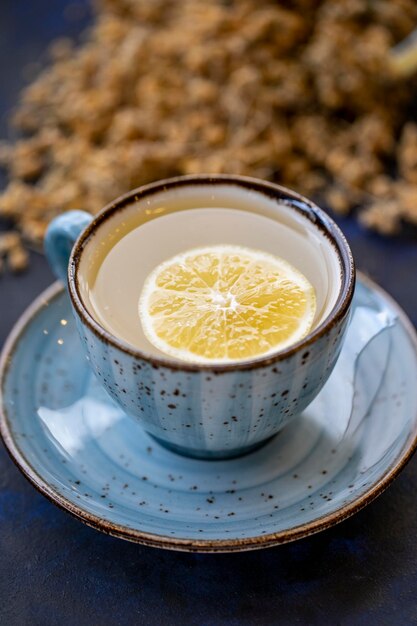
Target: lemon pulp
225, 303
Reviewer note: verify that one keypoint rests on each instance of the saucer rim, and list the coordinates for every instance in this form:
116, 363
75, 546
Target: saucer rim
191, 545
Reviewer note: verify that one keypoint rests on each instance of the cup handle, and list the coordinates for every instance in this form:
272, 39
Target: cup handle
60, 237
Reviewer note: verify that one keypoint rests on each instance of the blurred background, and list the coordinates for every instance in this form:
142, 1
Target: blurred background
316, 95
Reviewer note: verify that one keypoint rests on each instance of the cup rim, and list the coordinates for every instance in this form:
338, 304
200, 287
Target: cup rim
291, 199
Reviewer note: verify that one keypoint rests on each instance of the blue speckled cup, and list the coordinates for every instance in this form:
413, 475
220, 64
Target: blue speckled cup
215, 411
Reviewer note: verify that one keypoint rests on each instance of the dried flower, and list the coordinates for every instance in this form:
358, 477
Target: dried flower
301, 95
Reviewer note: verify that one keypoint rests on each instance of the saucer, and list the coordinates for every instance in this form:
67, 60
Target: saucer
78, 448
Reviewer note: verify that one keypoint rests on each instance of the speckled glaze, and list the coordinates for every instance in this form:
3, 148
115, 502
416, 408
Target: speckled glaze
208, 411
79, 449
213, 413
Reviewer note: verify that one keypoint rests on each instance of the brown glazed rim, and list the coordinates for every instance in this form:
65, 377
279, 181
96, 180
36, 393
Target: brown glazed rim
290, 198
187, 545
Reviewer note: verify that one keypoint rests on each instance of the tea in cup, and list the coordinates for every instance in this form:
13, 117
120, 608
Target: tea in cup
211, 308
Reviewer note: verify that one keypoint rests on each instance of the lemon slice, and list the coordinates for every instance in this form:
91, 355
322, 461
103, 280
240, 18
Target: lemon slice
225, 303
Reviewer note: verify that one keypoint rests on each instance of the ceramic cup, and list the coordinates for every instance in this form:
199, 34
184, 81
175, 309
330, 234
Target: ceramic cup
224, 410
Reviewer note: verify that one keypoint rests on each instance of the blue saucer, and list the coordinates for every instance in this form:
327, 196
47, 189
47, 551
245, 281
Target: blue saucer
82, 452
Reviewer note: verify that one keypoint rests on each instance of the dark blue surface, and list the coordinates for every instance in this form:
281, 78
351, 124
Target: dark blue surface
55, 570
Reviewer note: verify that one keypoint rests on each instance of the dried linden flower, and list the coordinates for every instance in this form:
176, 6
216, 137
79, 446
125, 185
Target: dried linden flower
299, 94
